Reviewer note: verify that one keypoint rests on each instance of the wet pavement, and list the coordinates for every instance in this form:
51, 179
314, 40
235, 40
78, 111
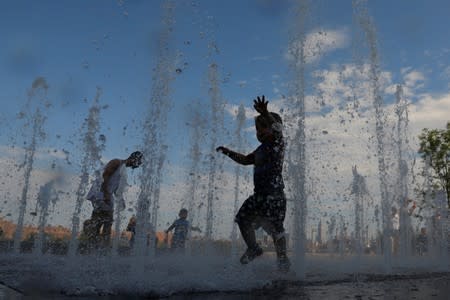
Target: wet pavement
403, 287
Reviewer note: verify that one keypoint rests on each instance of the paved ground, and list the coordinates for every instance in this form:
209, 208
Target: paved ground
402, 287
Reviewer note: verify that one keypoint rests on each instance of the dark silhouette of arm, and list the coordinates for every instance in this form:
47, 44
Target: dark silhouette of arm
237, 157
171, 227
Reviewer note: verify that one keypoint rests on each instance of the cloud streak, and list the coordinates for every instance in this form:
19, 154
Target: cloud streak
318, 43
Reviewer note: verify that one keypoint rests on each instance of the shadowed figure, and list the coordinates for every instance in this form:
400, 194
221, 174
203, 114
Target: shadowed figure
181, 227
266, 208
97, 229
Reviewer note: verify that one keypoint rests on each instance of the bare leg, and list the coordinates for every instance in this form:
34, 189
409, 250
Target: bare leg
248, 234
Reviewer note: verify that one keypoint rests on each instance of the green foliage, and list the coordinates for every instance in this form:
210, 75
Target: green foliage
435, 151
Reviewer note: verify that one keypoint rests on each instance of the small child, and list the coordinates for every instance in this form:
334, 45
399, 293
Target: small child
181, 227
266, 208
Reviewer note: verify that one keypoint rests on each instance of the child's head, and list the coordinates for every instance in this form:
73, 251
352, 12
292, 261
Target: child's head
183, 213
134, 160
264, 130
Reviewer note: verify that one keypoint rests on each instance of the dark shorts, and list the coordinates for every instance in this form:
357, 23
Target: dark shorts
101, 221
266, 211
178, 244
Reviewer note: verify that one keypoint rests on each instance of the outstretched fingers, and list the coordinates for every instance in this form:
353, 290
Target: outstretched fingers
260, 104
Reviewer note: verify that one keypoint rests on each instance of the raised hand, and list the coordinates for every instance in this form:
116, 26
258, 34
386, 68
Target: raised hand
260, 105
222, 149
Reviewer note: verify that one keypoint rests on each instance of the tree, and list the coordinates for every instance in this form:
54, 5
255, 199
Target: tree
435, 151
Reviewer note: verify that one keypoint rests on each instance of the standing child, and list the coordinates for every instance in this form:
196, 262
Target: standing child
266, 208
102, 196
181, 227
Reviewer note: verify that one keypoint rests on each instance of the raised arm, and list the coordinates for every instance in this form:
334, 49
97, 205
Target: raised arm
170, 228
260, 105
237, 157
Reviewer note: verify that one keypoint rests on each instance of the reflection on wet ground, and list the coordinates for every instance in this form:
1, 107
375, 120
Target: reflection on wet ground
8, 293
419, 286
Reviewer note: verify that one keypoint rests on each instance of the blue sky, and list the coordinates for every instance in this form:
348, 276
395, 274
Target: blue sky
78, 46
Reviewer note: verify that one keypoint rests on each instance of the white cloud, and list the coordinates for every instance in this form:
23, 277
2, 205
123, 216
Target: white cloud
412, 82
430, 112
414, 78
319, 42
344, 85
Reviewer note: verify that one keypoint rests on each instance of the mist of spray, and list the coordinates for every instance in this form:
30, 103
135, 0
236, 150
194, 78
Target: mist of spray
91, 160
360, 193
401, 188
157, 187
296, 152
155, 127
47, 195
37, 121
215, 163
332, 232
194, 169
240, 118
119, 207
365, 22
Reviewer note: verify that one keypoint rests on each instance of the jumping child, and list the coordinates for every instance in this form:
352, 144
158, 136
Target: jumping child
266, 208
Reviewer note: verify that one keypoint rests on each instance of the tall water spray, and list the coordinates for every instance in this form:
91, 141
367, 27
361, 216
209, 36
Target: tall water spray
366, 23
240, 118
360, 192
401, 187
91, 161
332, 233
214, 161
296, 154
119, 207
442, 233
155, 127
37, 121
214, 94
196, 125
47, 195
157, 189
342, 235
